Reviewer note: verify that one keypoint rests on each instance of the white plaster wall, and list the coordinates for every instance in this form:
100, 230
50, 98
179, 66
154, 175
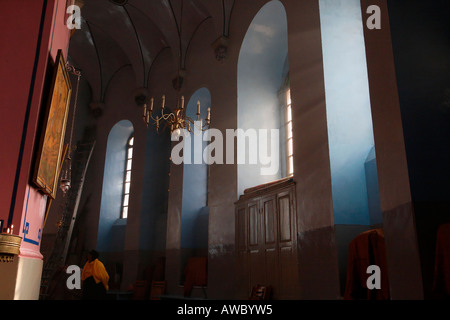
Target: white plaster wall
350, 131
260, 69
28, 279
23, 280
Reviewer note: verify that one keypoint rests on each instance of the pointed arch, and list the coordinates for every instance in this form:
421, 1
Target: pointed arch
261, 65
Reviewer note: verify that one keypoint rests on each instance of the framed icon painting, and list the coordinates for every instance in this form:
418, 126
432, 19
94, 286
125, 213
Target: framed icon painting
51, 145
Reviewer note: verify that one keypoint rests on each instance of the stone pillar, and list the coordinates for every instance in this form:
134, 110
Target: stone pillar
318, 261
403, 260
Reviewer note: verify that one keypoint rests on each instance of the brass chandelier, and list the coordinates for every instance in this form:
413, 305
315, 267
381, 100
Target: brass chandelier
177, 120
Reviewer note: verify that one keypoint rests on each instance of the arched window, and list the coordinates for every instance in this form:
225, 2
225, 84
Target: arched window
286, 134
289, 140
262, 70
111, 229
127, 177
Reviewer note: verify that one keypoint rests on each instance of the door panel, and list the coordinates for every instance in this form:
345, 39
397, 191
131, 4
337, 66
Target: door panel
272, 269
288, 275
285, 218
257, 270
287, 245
269, 219
253, 225
241, 240
255, 248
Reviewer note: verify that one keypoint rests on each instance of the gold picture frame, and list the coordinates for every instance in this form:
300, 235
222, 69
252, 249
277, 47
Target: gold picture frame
50, 153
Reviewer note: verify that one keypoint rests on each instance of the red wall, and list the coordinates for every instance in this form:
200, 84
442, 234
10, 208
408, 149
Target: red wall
31, 32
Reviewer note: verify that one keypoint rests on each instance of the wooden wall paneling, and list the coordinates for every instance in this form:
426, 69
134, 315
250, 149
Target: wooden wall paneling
270, 229
241, 251
287, 244
266, 240
256, 261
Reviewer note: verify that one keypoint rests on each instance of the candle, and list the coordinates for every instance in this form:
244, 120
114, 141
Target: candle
144, 114
12, 227
208, 116
163, 102
151, 105
182, 102
198, 107
147, 120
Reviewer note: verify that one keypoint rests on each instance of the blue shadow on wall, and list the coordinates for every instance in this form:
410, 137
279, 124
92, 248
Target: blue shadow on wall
373, 193
194, 215
349, 117
153, 223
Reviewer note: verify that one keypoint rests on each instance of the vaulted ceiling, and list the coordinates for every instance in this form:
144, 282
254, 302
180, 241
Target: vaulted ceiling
118, 33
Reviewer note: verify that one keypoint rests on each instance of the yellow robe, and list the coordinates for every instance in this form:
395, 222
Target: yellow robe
97, 270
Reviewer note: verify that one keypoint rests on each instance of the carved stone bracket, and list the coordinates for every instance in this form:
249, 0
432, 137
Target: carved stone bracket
141, 96
97, 108
220, 47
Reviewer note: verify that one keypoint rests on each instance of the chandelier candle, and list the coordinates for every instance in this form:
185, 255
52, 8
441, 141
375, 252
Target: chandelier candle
176, 120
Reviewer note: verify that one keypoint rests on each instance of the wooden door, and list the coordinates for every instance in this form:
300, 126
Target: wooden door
256, 263
270, 241
241, 250
266, 242
287, 245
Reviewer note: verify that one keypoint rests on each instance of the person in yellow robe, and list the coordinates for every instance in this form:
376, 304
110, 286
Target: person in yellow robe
95, 278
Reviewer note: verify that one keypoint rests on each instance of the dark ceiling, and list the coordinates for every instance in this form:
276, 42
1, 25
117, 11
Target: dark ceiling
118, 33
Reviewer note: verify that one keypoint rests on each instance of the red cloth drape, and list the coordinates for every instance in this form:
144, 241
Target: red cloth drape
366, 249
195, 274
441, 283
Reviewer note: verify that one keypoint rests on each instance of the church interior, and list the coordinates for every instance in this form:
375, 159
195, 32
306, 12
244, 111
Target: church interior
99, 99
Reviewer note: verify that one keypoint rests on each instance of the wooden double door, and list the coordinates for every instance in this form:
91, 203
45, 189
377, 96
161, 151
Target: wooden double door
266, 240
